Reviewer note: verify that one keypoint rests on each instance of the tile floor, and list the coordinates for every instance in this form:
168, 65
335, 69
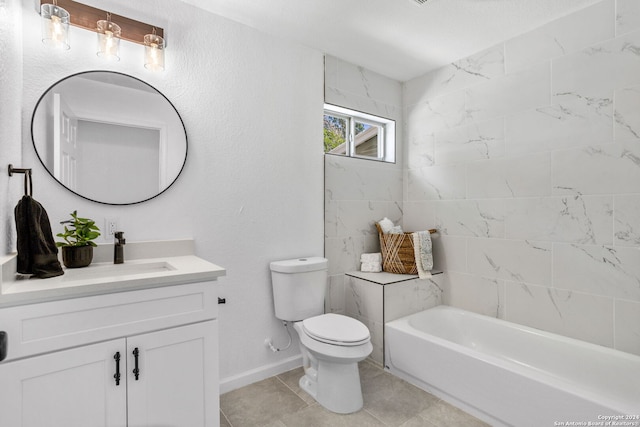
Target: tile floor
388, 401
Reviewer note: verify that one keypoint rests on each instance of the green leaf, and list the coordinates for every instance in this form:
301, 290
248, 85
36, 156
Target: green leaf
80, 232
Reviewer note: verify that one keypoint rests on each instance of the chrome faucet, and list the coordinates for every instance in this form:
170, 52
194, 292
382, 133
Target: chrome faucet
118, 248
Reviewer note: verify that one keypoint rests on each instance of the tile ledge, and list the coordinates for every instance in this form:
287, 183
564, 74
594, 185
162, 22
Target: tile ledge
384, 278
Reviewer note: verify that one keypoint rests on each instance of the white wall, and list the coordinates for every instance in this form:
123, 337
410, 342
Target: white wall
358, 192
251, 191
526, 158
10, 131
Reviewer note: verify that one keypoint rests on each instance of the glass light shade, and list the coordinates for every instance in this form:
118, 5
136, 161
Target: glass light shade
108, 40
153, 52
55, 26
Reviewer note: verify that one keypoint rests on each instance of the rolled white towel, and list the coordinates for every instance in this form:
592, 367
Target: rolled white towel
375, 257
385, 224
371, 267
396, 229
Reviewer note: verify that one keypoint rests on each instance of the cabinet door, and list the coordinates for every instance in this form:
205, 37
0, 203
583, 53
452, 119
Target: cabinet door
177, 384
70, 388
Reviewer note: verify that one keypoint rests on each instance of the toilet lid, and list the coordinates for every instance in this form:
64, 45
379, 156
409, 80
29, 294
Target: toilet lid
336, 329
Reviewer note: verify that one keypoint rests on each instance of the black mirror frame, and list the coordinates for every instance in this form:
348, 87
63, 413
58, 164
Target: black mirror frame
186, 141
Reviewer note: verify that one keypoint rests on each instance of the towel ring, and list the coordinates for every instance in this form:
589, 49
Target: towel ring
28, 181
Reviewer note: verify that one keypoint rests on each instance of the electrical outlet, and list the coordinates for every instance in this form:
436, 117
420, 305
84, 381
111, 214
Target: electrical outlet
110, 227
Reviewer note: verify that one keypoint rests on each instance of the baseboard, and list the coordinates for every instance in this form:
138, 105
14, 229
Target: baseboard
259, 374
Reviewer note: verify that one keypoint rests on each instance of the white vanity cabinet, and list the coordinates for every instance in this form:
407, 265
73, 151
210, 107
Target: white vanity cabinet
66, 388
64, 356
178, 378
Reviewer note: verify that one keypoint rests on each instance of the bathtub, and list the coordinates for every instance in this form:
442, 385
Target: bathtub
511, 375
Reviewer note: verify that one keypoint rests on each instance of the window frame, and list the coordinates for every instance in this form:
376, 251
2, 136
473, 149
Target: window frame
386, 138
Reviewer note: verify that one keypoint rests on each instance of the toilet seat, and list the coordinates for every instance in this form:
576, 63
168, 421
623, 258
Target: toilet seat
336, 329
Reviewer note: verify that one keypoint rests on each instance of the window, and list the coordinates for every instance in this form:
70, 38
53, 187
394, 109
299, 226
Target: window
355, 134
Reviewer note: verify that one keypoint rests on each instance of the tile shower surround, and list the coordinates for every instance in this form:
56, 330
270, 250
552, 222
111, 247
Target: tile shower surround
358, 192
526, 157
377, 298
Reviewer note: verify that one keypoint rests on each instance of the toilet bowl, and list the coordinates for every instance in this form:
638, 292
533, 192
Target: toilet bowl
331, 346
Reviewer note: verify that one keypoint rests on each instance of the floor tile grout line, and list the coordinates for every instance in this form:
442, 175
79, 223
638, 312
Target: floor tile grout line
307, 404
285, 384
375, 418
292, 390
225, 417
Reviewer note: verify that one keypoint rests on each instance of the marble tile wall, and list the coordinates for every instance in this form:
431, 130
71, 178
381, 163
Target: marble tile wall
364, 301
377, 298
527, 158
358, 192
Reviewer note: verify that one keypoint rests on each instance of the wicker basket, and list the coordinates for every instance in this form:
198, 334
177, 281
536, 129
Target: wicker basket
397, 251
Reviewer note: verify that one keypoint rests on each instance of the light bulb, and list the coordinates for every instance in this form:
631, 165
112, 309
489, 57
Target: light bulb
153, 52
108, 40
55, 26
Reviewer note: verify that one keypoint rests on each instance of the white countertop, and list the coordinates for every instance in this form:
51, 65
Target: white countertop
102, 277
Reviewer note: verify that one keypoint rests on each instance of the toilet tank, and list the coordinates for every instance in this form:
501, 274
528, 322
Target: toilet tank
299, 287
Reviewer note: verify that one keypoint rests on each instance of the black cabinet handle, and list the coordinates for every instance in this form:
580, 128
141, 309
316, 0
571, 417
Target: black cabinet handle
4, 343
136, 370
116, 357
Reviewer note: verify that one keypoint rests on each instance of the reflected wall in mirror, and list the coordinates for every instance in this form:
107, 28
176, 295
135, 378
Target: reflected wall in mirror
109, 137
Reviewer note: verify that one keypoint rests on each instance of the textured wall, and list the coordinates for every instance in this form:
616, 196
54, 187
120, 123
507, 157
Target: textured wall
10, 131
527, 157
251, 191
358, 192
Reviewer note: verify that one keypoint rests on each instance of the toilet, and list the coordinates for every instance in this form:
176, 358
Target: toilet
331, 344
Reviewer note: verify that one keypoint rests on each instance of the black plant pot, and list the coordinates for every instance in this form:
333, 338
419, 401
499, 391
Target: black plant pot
77, 256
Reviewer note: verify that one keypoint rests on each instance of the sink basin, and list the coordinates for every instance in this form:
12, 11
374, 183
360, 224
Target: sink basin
106, 270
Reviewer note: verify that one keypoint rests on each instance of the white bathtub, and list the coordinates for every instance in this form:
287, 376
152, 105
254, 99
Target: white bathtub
508, 374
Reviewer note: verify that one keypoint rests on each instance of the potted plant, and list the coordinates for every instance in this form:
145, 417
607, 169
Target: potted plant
77, 247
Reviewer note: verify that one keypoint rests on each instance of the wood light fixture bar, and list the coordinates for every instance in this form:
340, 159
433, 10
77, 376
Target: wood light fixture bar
85, 17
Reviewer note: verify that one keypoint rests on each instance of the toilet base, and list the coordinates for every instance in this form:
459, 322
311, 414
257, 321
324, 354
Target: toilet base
308, 384
331, 371
336, 386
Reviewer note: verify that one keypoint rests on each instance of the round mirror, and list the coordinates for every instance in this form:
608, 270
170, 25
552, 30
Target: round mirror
109, 137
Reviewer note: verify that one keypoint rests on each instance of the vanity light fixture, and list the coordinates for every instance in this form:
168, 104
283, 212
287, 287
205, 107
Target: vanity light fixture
110, 31
153, 52
55, 25
108, 39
